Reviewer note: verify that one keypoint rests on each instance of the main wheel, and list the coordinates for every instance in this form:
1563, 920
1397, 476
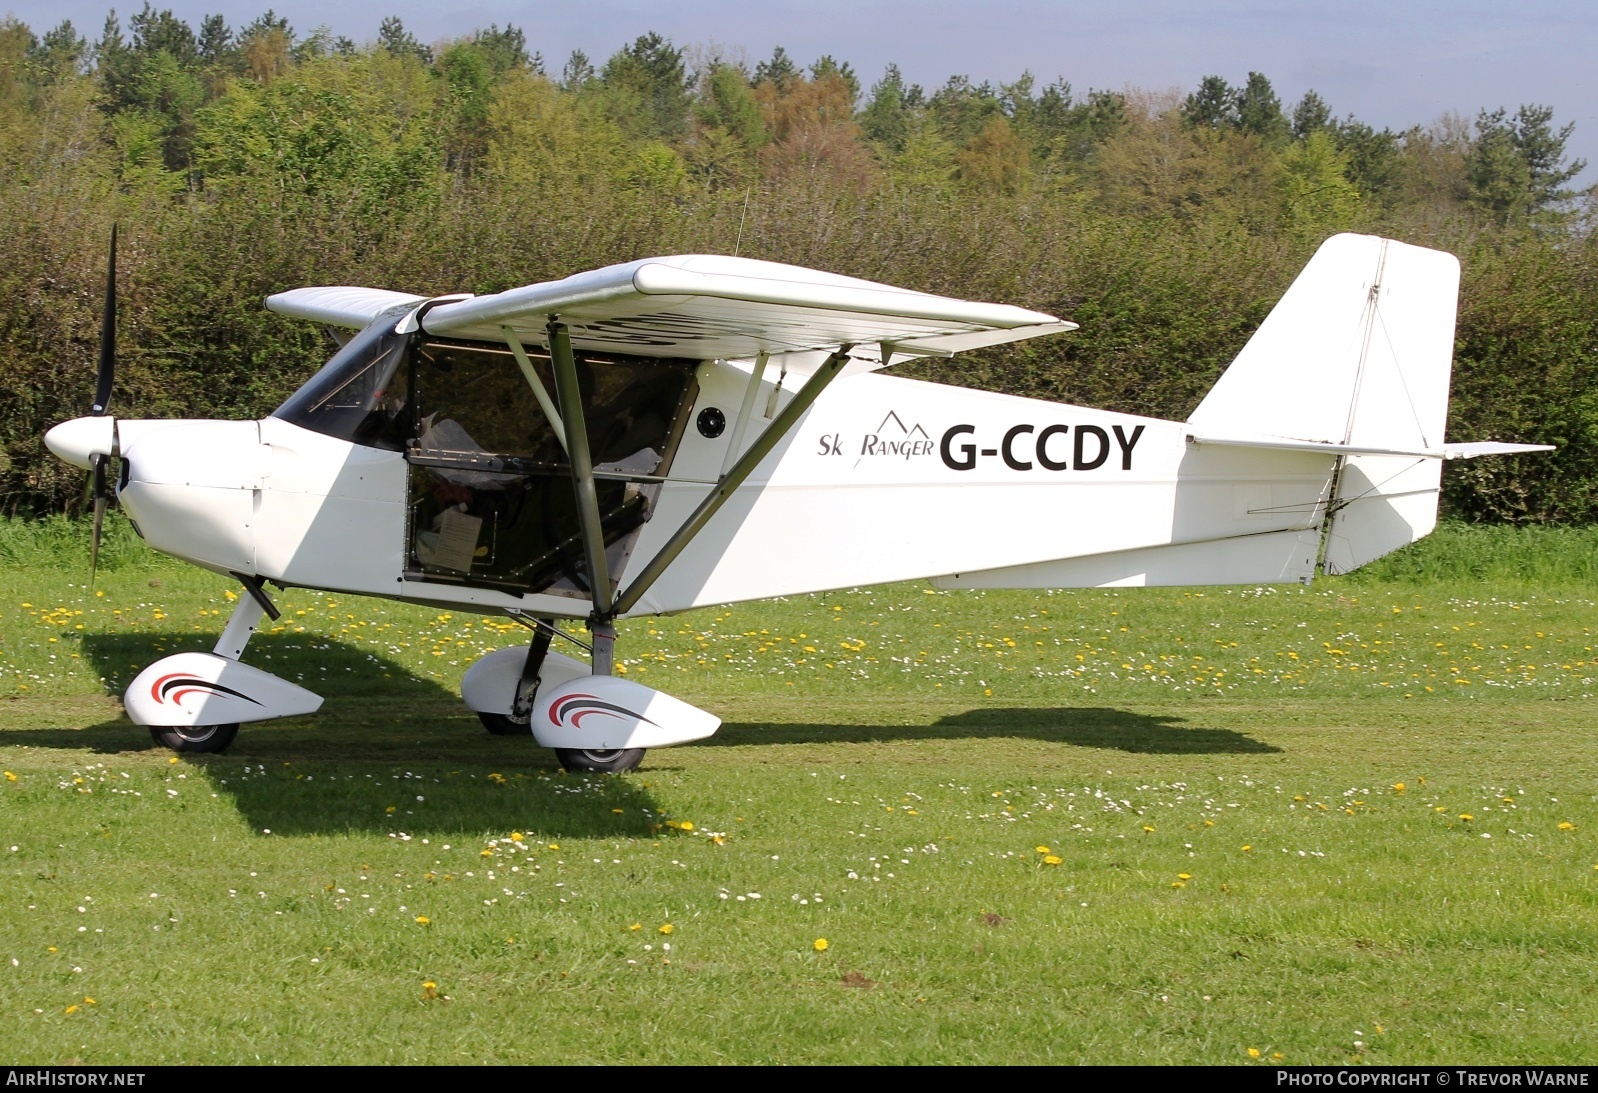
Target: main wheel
194, 738
610, 762
505, 724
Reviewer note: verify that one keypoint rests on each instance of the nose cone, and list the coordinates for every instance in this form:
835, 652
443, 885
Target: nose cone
76, 441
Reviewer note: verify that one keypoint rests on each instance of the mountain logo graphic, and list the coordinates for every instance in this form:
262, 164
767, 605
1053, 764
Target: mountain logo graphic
914, 430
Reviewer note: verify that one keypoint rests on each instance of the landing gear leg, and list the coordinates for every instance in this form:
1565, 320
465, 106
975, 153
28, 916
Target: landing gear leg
519, 721
241, 626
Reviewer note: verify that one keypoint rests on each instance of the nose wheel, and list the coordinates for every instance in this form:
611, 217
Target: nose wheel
608, 762
195, 739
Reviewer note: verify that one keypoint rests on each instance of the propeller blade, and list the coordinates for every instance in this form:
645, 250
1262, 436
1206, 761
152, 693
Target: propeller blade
97, 472
108, 334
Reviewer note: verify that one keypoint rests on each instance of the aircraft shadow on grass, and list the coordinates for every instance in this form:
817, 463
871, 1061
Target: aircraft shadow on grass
383, 720
1085, 727
384, 737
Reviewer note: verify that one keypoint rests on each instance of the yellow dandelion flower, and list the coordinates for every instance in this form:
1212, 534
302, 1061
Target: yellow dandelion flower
1209, 823
1248, 846
486, 852
172, 760
1052, 859
1253, 1053
820, 945
87, 1001
72, 1009
686, 825
391, 809
497, 779
719, 840
10, 777
517, 837
667, 928
616, 811
554, 846
423, 920
635, 927
1277, 1055
430, 989
1466, 816
1149, 828
1566, 825
1398, 787
1184, 876
1041, 849
1179, 884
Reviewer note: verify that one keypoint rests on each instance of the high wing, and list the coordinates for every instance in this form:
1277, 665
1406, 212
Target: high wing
338, 305
705, 307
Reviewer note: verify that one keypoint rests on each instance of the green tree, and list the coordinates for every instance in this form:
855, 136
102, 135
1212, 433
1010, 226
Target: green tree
1517, 167
650, 86
60, 54
1372, 156
827, 66
506, 49
994, 161
578, 72
393, 37
1259, 111
779, 70
1311, 115
1318, 199
886, 117
728, 103
1212, 106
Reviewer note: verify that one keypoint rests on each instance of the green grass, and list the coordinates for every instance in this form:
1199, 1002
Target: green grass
891, 763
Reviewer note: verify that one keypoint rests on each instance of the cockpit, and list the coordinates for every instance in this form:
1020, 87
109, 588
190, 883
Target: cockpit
490, 495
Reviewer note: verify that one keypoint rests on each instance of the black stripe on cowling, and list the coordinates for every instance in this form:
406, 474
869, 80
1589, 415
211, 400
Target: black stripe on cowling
172, 684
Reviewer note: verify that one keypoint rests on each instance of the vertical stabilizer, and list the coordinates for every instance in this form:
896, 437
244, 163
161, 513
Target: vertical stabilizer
1358, 351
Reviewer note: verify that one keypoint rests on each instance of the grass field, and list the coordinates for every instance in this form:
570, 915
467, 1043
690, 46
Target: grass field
1349, 822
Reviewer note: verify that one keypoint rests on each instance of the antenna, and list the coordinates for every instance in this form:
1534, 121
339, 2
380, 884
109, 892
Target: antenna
740, 242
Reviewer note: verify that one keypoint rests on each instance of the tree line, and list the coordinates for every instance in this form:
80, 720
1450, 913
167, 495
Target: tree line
244, 160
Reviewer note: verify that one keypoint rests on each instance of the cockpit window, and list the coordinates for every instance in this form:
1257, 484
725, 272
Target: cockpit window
490, 483
359, 395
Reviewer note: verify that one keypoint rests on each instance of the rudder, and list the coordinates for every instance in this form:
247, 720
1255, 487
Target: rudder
1357, 352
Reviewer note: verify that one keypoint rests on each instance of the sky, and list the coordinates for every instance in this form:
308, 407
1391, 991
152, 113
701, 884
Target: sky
1393, 63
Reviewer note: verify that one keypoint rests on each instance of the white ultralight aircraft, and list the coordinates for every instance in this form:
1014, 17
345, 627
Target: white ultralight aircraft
676, 432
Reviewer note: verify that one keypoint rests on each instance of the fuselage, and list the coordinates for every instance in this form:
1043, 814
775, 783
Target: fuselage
884, 479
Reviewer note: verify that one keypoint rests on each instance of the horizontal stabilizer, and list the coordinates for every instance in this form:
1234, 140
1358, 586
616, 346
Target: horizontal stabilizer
1447, 451
1490, 447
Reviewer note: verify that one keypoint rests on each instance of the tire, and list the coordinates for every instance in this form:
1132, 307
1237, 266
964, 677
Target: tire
503, 724
605, 762
195, 739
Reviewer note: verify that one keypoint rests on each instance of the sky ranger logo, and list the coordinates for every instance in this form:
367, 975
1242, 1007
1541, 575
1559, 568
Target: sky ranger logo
174, 688
892, 439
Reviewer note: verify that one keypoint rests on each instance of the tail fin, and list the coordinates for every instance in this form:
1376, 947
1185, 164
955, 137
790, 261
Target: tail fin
1357, 353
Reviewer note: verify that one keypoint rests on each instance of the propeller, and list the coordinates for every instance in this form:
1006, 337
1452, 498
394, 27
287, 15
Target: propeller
102, 401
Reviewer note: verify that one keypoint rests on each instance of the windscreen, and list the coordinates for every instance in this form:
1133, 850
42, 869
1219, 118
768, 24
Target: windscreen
360, 395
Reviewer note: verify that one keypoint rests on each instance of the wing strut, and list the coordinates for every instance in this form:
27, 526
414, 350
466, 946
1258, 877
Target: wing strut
730, 481
582, 464
544, 403
756, 376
